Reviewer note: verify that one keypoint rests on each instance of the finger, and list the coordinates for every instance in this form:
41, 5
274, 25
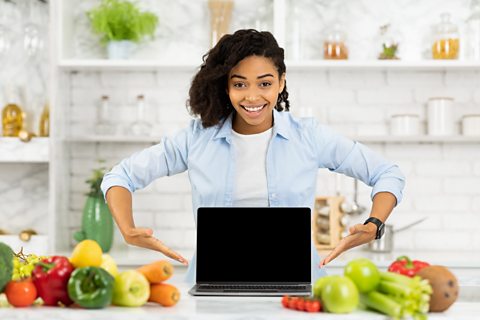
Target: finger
159, 246
333, 254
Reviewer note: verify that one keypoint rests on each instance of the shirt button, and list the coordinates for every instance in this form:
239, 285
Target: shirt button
274, 195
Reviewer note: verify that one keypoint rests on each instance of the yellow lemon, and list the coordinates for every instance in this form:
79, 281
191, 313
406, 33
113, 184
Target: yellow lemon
86, 253
109, 264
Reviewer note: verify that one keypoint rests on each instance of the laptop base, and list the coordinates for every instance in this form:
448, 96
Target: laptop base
302, 290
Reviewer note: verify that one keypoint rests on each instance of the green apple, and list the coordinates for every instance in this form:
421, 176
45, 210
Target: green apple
131, 289
318, 286
340, 295
364, 273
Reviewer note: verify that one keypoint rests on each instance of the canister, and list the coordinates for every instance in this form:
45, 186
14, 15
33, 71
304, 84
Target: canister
440, 120
405, 124
471, 125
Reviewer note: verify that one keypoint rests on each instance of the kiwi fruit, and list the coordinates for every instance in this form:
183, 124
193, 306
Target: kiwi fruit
444, 285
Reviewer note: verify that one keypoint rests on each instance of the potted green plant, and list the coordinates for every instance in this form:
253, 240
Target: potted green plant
121, 25
97, 222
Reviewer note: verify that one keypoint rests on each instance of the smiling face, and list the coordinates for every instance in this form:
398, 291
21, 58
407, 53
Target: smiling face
253, 88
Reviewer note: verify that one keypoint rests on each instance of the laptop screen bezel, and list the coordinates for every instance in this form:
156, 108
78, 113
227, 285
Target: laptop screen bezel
295, 210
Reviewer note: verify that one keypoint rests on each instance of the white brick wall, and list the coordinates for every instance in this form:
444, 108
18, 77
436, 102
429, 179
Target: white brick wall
443, 180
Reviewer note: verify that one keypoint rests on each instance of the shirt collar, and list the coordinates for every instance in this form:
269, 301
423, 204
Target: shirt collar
280, 126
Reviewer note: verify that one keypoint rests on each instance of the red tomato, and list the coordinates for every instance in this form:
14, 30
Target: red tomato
313, 306
301, 304
285, 300
21, 293
292, 303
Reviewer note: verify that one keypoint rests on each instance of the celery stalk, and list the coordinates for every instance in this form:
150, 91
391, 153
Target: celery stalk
382, 303
397, 278
394, 288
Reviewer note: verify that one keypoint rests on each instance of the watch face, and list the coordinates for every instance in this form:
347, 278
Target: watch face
381, 231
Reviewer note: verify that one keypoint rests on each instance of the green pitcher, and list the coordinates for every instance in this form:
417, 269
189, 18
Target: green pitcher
97, 223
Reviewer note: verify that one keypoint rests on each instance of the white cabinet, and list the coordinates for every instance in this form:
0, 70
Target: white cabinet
34, 151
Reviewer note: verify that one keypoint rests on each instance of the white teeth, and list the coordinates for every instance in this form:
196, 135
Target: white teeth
254, 109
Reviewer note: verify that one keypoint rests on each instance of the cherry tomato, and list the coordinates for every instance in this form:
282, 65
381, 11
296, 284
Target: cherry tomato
301, 304
21, 293
285, 300
313, 306
292, 303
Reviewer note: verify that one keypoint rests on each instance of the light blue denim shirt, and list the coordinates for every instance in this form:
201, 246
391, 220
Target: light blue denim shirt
298, 148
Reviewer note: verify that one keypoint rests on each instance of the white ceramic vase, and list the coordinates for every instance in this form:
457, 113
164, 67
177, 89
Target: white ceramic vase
120, 49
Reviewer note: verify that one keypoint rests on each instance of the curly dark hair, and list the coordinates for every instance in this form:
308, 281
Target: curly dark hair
208, 96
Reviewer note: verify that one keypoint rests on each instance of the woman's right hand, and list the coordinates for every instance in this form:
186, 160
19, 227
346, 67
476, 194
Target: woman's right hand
119, 201
143, 237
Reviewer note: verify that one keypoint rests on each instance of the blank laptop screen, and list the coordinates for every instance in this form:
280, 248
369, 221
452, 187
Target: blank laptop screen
253, 245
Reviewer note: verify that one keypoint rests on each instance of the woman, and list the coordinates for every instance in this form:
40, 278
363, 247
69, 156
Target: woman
245, 149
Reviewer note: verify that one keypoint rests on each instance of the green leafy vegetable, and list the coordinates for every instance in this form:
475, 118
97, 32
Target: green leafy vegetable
6, 265
95, 181
117, 20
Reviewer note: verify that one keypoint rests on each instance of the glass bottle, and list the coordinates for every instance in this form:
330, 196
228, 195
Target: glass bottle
472, 44
104, 126
44, 123
389, 42
446, 42
334, 45
295, 50
141, 127
12, 115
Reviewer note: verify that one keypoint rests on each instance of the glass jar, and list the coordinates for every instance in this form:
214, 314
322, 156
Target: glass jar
334, 45
472, 44
446, 42
389, 41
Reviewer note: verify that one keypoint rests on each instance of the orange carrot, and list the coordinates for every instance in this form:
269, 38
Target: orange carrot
157, 271
164, 294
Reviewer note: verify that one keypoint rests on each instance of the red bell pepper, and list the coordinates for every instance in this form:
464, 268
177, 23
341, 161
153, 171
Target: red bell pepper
50, 277
407, 267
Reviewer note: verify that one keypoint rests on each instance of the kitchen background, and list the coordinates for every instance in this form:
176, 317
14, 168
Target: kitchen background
42, 182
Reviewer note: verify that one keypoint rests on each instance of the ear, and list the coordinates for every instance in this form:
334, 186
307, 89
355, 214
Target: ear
282, 83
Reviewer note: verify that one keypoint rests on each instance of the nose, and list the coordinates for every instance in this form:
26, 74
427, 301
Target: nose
251, 98
252, 95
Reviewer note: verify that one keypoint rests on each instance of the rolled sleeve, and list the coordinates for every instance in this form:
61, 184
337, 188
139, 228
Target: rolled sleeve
139, 170
342, 155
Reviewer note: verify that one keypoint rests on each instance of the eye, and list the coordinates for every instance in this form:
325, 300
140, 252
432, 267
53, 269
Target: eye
239, 85
265, 84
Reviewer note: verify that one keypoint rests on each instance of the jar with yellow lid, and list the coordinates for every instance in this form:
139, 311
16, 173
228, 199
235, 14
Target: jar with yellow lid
446, 42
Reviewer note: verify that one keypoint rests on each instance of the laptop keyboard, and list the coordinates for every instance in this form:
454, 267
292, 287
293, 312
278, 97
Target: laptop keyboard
253, 288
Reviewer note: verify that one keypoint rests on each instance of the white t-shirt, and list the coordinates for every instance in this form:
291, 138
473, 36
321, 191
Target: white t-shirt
250, 188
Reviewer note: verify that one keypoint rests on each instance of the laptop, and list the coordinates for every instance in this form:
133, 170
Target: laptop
253, 252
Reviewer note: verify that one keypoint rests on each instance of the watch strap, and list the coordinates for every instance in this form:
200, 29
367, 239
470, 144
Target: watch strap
379, 224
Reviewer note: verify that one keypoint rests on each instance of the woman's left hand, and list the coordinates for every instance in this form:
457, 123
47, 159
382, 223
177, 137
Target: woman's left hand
359, 234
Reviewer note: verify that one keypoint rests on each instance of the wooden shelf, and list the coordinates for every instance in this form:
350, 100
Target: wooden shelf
14, 150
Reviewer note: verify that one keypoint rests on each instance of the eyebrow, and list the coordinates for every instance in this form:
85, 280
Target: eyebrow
259, 77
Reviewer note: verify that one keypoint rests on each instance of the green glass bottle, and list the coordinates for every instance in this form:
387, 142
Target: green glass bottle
97, 223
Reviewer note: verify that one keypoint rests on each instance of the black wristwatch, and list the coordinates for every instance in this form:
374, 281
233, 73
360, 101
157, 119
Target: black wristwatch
380, 226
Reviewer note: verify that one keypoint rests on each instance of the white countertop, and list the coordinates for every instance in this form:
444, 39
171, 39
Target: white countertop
211, 308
